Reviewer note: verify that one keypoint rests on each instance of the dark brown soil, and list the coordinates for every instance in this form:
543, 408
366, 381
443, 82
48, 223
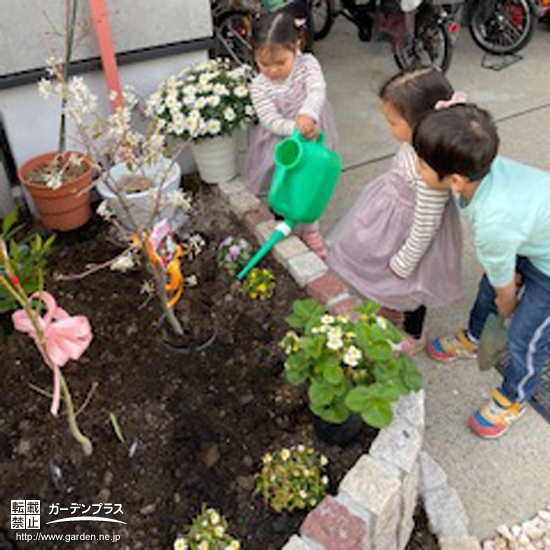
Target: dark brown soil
195, 425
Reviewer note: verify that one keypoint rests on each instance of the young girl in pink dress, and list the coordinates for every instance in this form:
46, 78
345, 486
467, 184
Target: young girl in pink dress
288, 94
401, 243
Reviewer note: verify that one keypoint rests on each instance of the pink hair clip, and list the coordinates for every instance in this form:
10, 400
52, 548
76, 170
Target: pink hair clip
458, 98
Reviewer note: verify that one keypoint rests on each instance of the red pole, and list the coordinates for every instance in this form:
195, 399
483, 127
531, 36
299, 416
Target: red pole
108, 59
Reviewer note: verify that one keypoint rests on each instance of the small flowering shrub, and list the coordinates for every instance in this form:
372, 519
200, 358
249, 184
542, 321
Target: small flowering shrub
233, 254
259, 284
292, 479
207, 532
206, 100
28, 261
349, 366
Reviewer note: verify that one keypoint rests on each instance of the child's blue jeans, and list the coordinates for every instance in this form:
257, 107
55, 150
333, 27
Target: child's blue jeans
528, 333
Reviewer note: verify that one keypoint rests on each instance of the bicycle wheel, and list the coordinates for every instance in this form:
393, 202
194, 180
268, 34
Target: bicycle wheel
232, 31
321, 17
432, 45
506, 28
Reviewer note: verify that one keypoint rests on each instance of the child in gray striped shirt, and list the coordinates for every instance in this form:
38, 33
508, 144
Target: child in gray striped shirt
288, 93
401, 243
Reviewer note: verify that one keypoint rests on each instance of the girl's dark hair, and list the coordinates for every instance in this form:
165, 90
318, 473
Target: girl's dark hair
274, 29
461, 139
413, 93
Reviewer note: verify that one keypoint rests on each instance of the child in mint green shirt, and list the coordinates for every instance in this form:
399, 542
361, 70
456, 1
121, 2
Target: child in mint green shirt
508, 204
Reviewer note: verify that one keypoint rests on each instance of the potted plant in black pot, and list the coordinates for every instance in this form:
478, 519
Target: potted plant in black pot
352, 373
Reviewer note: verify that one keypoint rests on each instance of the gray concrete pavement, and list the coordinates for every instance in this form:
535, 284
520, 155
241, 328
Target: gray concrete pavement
508, 480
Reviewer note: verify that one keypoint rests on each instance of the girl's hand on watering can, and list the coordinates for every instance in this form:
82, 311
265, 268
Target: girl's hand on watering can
306, 126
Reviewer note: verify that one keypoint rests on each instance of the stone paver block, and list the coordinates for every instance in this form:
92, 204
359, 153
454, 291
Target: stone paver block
398, 444
264, 230
289, 248
242, 202
332, 525
432, 474
404, 533
409, 492
459, 543
411, 407
345, 306
445, 512
327, 288
371, 486
387, 538
259, 215
231, 187
296, 543
306, 268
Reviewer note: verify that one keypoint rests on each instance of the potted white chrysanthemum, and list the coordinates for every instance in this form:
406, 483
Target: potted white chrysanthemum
207, 104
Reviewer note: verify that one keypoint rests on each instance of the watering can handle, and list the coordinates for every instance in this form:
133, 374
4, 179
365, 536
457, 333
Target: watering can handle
321, 136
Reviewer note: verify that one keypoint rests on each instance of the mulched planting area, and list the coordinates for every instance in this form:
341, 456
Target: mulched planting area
195, 425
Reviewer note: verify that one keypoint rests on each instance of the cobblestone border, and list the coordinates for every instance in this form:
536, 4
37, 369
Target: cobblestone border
374, 507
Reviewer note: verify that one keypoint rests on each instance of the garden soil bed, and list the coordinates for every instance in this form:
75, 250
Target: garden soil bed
195, 425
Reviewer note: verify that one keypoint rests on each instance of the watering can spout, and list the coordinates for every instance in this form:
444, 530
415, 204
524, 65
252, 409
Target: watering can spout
281, 231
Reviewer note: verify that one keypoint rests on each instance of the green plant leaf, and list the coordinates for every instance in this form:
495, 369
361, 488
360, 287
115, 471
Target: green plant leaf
363, 336
378, 413
9, 221
295, 322
307, 309
379, 351
410, 375
297, 369
320, 394
337, 413
387, 370
358, 398
368, 308
312, 345
333, 374
296, 376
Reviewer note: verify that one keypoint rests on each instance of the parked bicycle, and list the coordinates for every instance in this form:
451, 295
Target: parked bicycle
501, 27
422, 35
232, 21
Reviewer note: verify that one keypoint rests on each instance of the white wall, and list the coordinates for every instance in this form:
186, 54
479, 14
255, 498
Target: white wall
31, 30
32, 123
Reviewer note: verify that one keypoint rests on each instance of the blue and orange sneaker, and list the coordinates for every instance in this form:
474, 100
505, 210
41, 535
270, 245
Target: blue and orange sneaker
452, 347
494, 419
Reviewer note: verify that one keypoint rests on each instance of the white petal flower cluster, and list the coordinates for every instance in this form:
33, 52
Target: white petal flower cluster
179, 199
206, 100
352, 356
124, 263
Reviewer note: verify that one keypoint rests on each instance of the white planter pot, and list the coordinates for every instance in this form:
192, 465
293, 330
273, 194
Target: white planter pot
216, 158
140, 203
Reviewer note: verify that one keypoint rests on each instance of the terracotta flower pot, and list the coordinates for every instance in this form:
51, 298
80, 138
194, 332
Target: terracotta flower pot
61, 209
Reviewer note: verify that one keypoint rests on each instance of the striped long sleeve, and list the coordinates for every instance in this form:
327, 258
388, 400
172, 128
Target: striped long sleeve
429, 209
307, 72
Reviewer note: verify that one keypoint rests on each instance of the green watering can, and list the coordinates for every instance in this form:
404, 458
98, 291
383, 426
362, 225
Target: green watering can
305, 176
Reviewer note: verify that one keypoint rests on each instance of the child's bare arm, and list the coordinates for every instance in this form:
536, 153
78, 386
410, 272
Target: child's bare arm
506, 299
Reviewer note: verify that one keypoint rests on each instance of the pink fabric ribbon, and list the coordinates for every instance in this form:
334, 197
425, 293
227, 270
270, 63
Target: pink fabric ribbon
458, 98
65, 337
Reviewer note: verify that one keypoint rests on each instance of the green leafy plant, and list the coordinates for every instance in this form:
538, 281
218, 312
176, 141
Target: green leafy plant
349, 366
259, 284
233, 254
208, 531
27, 260
292, 478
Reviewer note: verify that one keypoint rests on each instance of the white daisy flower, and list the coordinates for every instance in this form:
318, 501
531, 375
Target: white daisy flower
214, 126
214, 100
240, 91
229, 114
327, 319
